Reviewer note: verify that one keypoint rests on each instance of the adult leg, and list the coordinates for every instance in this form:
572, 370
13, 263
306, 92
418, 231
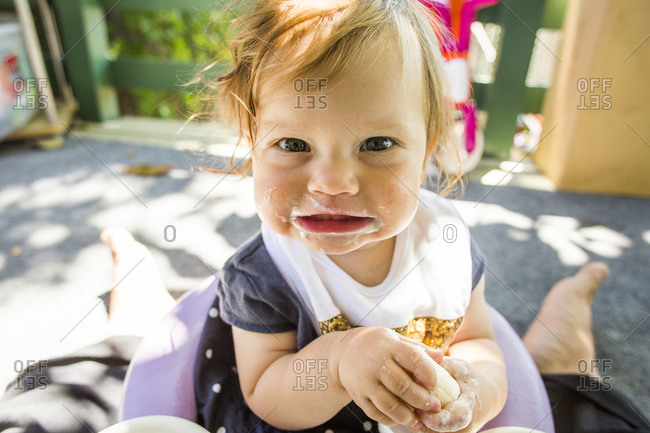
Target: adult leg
81, 392
561, 342
139, 298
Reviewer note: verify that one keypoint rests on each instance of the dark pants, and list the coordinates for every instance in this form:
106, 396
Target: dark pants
582, 404
78, 393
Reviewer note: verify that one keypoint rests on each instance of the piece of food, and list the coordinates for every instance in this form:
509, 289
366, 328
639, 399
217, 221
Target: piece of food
447, 389
148, 169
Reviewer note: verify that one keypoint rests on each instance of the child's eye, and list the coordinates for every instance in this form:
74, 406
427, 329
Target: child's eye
376, 144
293, 145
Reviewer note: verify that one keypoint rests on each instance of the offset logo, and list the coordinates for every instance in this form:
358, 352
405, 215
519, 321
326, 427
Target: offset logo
595, 366
309, 374
309, 93
26, 99
30, 375
593, 94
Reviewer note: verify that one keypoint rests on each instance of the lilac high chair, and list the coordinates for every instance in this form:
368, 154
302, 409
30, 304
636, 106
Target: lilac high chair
160, 378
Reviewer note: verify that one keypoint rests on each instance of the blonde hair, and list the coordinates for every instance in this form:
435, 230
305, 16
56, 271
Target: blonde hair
280, 40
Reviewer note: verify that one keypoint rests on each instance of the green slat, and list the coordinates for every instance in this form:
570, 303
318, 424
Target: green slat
195, 5
9, 4
504, 98
488, 14
84, 37
156, 74
478, 90
533, 99
552, 18
554, 14
49, 69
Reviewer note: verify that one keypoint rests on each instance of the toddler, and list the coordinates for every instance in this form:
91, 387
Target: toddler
359, 281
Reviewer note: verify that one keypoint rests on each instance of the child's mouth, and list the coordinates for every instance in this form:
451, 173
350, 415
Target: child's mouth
332, 223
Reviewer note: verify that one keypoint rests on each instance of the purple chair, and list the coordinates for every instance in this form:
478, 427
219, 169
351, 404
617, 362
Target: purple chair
527, 404
160, 378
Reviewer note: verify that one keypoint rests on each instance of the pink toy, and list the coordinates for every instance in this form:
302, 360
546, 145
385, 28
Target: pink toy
457, 17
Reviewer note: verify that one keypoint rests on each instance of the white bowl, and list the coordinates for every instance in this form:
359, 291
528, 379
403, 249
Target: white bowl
156, 424
511, 430
172, 424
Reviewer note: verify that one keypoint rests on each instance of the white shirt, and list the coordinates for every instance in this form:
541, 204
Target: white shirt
430, 274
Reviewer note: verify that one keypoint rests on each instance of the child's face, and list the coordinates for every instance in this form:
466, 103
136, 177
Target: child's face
338, 167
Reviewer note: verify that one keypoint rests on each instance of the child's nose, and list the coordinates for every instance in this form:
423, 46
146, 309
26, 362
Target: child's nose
332, 176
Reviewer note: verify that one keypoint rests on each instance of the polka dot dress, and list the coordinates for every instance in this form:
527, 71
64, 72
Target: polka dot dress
220, 405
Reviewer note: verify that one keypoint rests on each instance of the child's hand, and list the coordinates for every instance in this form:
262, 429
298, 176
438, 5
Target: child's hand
456, 416
388, 375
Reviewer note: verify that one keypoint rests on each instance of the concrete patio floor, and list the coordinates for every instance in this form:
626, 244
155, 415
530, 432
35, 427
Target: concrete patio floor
53, 269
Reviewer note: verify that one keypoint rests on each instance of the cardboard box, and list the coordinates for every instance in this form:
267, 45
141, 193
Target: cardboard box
596, 134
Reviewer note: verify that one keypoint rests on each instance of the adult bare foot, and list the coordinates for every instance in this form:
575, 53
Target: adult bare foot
561, 336
139, 298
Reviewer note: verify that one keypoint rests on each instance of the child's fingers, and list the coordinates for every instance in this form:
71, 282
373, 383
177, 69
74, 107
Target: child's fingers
393, 409
368, 407
455, 416
456, 368
400, 384
458, 414
414, 359
435, 354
